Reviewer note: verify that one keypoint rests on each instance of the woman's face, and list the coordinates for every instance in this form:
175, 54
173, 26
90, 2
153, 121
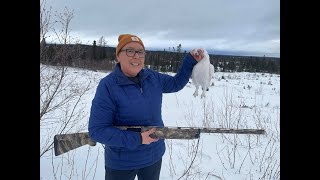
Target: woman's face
131, 66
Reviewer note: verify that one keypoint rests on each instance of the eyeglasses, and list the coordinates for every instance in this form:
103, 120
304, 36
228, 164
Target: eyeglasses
132, 53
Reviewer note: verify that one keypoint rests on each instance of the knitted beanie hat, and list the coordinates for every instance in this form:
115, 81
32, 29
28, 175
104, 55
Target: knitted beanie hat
124, 39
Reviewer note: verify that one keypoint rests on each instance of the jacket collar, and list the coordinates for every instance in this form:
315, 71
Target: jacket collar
121, 79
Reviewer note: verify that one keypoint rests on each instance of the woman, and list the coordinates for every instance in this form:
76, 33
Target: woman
131, 95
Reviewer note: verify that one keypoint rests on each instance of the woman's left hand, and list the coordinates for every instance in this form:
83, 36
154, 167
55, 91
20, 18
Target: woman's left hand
197, 54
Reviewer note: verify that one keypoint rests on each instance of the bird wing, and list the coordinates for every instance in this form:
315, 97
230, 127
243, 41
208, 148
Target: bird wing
211, 70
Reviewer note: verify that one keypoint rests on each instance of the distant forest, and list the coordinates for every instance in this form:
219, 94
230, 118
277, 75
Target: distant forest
98, 57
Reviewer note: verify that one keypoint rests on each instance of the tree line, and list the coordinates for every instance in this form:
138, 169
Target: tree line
102, 57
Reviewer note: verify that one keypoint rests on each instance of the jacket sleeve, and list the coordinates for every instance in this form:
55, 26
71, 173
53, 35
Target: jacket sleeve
177, 82
100, 121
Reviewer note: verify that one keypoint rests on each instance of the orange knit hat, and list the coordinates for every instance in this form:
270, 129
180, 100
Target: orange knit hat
124, 39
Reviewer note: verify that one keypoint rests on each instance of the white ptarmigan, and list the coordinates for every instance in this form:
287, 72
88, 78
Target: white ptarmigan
202, 74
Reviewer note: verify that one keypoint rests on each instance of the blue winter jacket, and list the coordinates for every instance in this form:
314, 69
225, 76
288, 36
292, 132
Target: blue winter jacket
119, 101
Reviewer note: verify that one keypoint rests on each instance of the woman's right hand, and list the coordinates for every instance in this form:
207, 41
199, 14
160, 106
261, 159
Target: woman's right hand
146, 139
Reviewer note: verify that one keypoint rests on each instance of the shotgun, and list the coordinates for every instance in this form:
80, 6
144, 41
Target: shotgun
66, 142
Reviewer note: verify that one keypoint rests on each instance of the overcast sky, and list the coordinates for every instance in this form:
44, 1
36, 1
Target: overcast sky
246, 27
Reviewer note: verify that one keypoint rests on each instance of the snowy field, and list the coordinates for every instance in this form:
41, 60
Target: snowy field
235, 100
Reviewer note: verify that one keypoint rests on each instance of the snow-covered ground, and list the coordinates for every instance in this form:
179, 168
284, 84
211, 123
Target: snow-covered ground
235, 100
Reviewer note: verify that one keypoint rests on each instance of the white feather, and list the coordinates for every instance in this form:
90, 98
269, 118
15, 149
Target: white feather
202, 74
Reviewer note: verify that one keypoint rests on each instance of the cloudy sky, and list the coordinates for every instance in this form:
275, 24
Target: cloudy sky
246, 27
